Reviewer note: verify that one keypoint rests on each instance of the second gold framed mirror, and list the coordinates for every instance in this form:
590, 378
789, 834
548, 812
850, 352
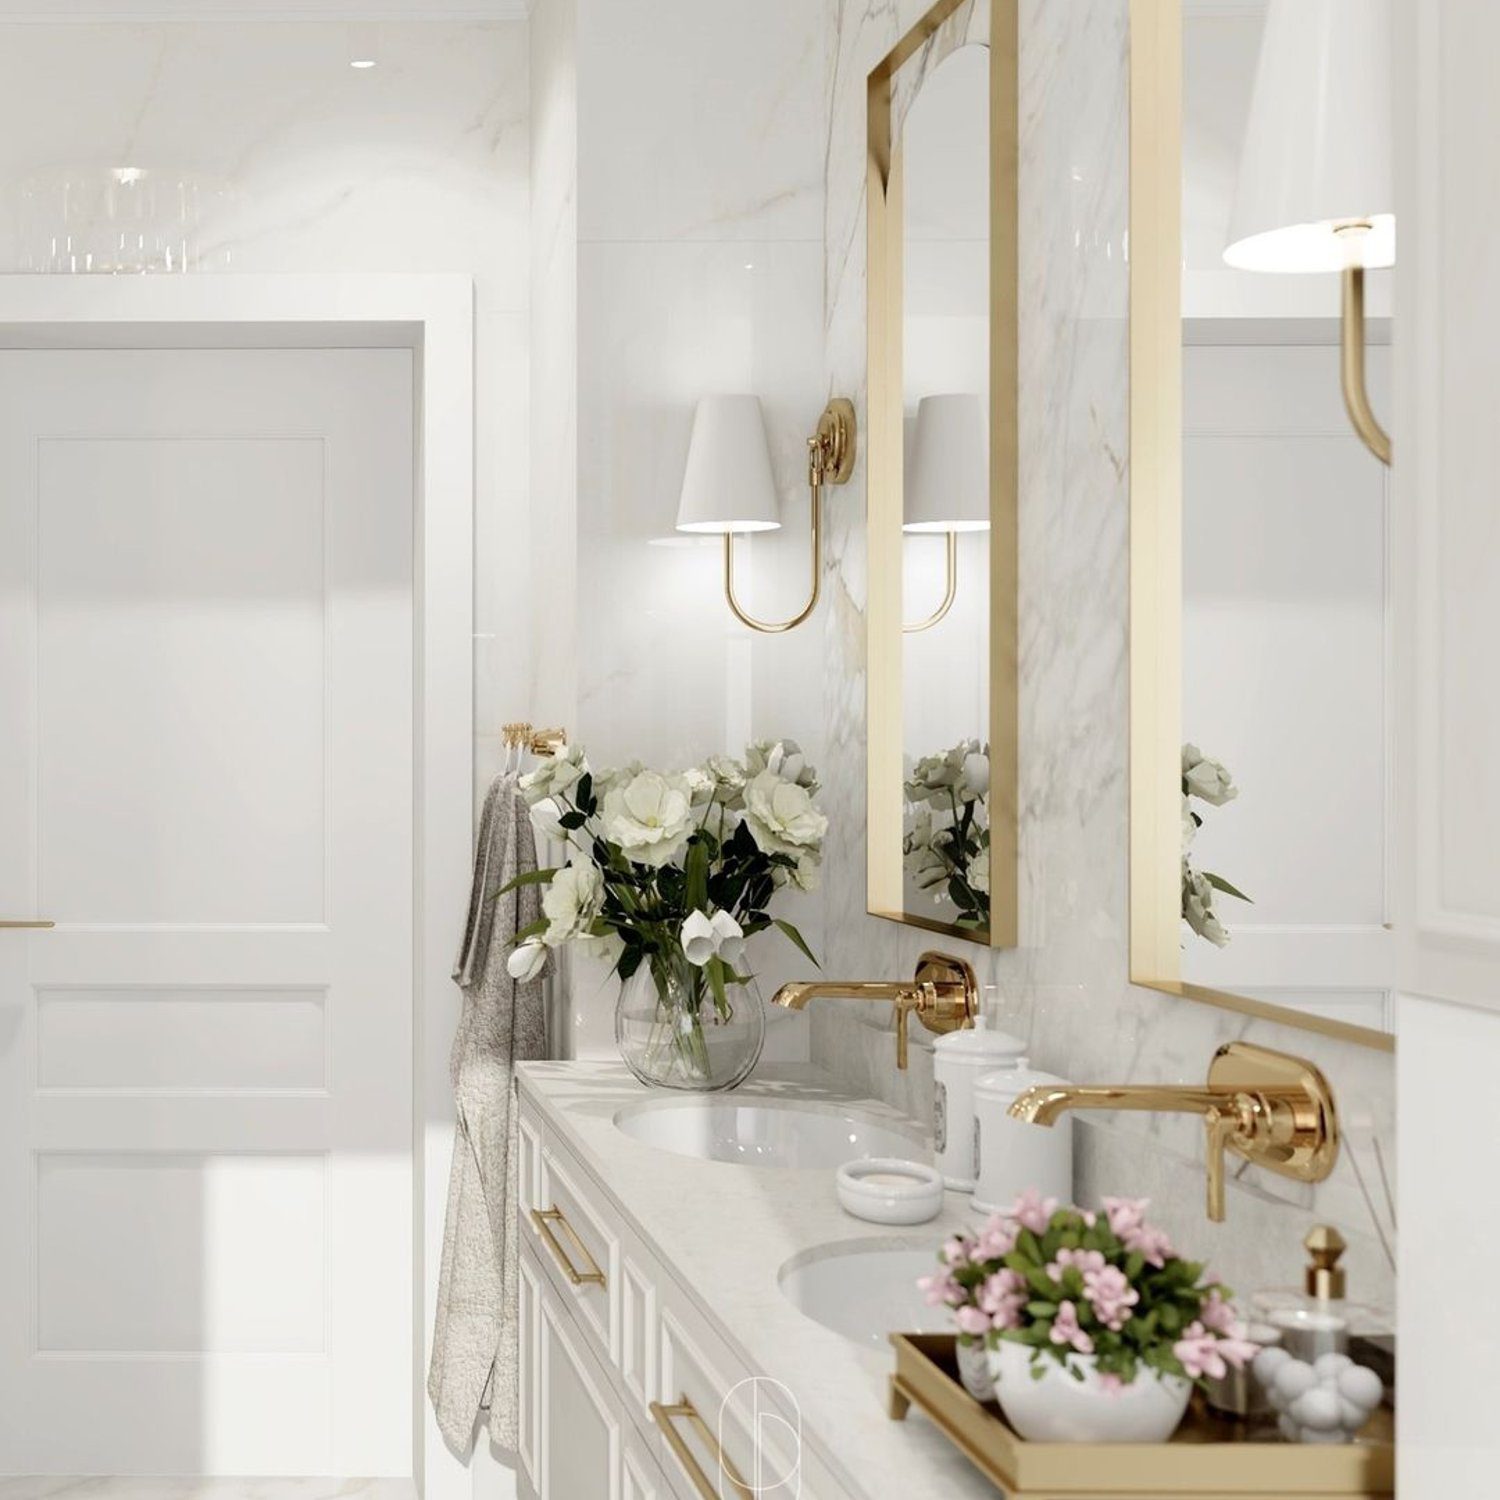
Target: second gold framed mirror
942, 460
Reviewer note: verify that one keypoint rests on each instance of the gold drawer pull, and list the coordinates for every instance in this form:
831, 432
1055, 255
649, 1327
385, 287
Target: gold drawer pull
544, 1219
24, 926
666, 1417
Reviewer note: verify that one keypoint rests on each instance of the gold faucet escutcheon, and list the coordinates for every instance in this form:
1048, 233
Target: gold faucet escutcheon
1274, 1110
943, 995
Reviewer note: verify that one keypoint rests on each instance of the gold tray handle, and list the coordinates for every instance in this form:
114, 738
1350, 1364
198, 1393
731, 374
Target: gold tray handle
666, 1418
544, 1219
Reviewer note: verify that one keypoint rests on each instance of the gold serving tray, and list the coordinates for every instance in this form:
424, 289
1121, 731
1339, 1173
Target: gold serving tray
1207, 1459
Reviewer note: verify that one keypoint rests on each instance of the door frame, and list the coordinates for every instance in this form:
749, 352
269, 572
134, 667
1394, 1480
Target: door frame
433, 315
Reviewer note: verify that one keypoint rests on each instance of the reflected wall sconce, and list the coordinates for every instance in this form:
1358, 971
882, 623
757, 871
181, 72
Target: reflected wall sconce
1316, 190
728, 487
948, 485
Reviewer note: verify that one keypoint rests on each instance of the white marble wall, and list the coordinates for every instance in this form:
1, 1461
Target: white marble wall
1066, 985
419, 164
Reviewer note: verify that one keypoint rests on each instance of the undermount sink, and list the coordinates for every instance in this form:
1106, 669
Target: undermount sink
864, 1291
768, 1134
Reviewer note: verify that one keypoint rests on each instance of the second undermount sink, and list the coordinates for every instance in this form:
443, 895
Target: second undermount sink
768, 1133
865, 1291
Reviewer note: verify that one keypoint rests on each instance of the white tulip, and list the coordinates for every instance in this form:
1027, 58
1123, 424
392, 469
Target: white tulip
649, 817
781, 815
699, 942
527, 961
729, 936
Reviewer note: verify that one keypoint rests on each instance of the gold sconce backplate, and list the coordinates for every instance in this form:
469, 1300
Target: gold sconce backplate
833, 443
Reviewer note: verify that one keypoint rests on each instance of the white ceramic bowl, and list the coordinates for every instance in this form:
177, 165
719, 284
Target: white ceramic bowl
1059, 1409
888, 1190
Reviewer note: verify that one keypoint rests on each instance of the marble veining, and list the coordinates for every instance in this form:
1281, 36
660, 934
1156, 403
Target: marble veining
159, 1488
1066, 985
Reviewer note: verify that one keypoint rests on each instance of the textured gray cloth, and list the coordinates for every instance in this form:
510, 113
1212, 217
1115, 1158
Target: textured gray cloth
474, 1346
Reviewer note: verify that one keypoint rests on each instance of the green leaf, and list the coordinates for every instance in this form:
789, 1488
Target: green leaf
1220, 884
797, 938
572, 820
695, 890
531, 877
1041, 1309
715, 971
533, 929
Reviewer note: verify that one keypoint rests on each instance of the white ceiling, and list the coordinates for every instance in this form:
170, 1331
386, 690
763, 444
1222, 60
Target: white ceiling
309, 10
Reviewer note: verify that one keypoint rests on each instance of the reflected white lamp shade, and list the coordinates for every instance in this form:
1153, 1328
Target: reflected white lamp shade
728, 484
1318, 145
948, 484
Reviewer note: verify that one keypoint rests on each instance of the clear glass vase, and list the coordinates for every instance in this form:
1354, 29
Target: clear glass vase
674, 1034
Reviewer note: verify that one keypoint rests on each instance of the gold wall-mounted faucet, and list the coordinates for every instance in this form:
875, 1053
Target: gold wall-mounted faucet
944, 996
1274, 1110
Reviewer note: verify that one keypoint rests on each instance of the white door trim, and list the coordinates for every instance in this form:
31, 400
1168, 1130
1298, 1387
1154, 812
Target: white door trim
432, 314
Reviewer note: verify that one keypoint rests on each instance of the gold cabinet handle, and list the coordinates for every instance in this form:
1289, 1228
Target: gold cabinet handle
24, 926
544, 1219
666, 1418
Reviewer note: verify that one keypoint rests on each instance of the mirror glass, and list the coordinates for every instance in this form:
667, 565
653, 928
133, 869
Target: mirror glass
1284, 611
945, 390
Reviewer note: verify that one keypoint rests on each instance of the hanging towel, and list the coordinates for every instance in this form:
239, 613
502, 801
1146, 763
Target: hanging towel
474, 1346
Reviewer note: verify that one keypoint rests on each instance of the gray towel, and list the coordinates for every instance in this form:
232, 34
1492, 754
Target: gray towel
474, 1346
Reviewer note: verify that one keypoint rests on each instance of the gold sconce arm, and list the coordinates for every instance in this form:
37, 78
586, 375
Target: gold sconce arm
950, 591
830, 460
1352, 367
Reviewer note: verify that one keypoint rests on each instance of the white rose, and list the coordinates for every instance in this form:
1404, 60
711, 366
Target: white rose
555, 775
649, 817
571, 900
974, 777
806, 877
527, 961
727, 772
781, 815
546, 819
783, 758
718, 936
1206, 778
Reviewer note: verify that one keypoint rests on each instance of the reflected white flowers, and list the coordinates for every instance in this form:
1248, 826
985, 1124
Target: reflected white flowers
946, 839
649, 817
571, 900
718, 936
1206, 779
781, 815
1210, 782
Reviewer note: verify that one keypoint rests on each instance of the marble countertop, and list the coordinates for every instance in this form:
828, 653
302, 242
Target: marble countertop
726, 1231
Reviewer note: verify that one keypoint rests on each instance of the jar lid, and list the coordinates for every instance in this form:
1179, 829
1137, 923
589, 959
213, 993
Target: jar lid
978, 1043
1011, 1083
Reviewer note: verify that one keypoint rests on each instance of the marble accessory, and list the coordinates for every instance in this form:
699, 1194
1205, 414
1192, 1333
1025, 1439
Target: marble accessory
958, 1061
889, 1190
1061, 1407
1013, 1155
1327, 1401
974, 1370
1237, 1393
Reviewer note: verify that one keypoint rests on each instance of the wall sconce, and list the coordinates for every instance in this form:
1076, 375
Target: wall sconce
1315, 190
948, 483
728, 487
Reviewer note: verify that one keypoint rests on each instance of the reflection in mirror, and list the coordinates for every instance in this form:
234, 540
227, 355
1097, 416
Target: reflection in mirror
1284, 598
945, 363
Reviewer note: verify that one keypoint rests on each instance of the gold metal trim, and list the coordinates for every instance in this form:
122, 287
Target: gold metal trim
1208, 1458
1156, 531
26, 926
950, 588
544, 1219
830, 460
666, 1418
1352, 367
883, 420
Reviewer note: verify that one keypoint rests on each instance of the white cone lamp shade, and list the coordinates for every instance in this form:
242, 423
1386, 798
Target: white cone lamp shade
948, 488
1318, 146
728, 485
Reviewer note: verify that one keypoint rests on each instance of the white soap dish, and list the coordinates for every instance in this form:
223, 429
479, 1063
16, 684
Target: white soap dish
888, 1190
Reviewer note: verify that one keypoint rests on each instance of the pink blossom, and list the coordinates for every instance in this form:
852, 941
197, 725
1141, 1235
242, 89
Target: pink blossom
1205, 1353
1002, 1296
1065, 1330
1110, 1293
956, 1252
971, 1321
940, 1289
1084, 1260
1218, 1315
1032, 1211
1090, 1218
996, 1240
1127, 1217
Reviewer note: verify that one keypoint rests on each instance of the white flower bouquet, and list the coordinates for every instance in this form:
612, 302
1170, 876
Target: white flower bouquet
1209, 782
668, 875
946, 841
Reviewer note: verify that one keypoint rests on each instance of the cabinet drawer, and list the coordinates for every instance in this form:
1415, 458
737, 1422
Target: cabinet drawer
581, 1251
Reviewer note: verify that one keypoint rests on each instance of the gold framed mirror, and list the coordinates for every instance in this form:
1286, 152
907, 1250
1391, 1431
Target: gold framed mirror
941, 448
1259, 614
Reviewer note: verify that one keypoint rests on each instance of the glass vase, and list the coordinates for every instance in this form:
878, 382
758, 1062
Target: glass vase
674, 1034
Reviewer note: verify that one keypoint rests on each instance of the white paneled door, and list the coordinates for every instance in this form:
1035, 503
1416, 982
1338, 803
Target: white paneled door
206, 783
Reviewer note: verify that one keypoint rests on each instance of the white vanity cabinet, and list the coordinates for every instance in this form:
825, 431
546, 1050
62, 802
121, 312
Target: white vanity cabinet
627, 1389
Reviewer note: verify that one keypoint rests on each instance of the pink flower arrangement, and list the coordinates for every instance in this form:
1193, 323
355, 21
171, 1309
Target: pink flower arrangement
1070, 1282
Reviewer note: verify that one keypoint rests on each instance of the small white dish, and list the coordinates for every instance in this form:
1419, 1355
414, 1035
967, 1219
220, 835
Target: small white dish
888, 1190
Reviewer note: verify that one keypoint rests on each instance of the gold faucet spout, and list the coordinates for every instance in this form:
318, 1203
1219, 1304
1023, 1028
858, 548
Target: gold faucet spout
1045, 1105
796, 995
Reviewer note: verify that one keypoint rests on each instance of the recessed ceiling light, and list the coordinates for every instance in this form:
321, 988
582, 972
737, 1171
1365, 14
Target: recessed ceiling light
364, 46
361, 62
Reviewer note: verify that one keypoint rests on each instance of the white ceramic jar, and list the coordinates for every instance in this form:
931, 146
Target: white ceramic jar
1012, 1155
958, 1060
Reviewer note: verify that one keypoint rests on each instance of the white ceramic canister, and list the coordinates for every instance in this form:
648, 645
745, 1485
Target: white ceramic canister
1013, 1155
958, 1059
